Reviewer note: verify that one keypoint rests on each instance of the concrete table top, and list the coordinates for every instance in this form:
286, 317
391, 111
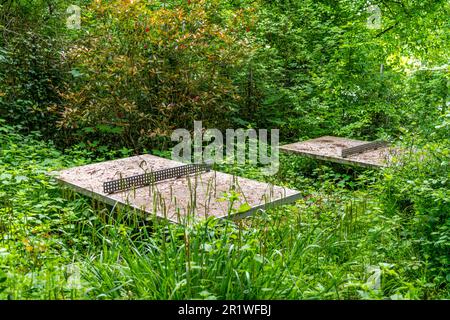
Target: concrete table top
329, 148
195, 196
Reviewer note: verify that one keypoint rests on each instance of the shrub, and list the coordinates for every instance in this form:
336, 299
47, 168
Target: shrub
419, 189
143, 71
31, 69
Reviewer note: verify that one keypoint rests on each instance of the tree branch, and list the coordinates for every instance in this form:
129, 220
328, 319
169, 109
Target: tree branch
387, 30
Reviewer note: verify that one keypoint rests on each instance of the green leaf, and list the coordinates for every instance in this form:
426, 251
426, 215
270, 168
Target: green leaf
21, 179
89, 130
3, 276
244, 207
75, 73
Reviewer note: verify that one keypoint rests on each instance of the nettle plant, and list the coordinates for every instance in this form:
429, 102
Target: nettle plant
142, 69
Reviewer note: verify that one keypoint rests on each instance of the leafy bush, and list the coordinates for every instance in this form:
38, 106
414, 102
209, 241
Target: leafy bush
419, 189
31, 68
143, 71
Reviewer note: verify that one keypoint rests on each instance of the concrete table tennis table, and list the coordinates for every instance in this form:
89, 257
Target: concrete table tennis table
374, 154
196, 196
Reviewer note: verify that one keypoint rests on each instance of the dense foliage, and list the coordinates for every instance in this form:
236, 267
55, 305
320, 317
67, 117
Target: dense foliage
136, 70
151, 70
